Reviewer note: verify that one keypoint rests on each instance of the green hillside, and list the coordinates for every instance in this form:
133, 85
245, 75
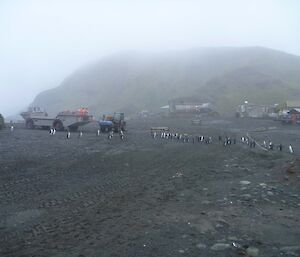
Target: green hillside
135, 81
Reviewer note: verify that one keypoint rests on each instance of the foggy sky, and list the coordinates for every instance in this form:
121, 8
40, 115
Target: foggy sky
41, 42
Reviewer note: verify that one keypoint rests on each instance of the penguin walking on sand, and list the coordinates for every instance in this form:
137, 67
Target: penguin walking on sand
121, 135
53, 131
291, 149
110, 135
209, 140
265, 144
80, 134
68, 134
154, 134
98, 132
271, 145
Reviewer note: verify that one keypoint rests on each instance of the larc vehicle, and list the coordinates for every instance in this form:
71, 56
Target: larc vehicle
65, 120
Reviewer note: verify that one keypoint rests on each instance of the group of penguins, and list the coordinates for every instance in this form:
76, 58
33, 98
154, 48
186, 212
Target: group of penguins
185, 138
111, 134
52, 132
225, 141
266, 146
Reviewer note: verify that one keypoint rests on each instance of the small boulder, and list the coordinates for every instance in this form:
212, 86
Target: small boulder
246, 197
245, 182
252, 251
220, 247
291, 249
201, 246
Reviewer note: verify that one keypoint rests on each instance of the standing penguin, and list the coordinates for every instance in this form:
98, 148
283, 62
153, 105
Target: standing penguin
68, 134
265, 144
110, 135
271, 145
98, 132
291, 149
121, 135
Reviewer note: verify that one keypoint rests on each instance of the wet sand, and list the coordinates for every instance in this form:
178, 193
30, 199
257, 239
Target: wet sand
92, 196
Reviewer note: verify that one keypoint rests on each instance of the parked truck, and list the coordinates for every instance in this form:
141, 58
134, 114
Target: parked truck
35, 117
113, 123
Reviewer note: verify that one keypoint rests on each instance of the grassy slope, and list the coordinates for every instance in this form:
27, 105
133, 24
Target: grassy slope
135, 81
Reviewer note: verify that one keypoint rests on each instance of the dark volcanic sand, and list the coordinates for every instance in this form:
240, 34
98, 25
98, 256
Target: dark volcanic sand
145, 197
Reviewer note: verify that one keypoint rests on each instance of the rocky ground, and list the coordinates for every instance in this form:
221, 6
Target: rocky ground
91, 196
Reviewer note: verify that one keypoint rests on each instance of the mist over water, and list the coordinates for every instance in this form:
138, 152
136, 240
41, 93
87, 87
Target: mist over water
43, 42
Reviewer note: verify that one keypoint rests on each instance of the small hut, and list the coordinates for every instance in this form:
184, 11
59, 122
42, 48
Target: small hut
1, 121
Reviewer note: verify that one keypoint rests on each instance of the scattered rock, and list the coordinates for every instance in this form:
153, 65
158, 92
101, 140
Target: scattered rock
246, 197
269, 193
293, 166
291, 249
252, 251
201, 246
220, 247
245, 182
263, 185
181, 251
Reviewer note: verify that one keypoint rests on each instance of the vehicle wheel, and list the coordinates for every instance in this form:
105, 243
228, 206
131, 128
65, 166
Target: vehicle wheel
73, 129
105, 129
58, 125
30, 124
102, 129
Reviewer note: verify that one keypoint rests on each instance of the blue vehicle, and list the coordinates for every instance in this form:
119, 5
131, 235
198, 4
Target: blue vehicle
114, 123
